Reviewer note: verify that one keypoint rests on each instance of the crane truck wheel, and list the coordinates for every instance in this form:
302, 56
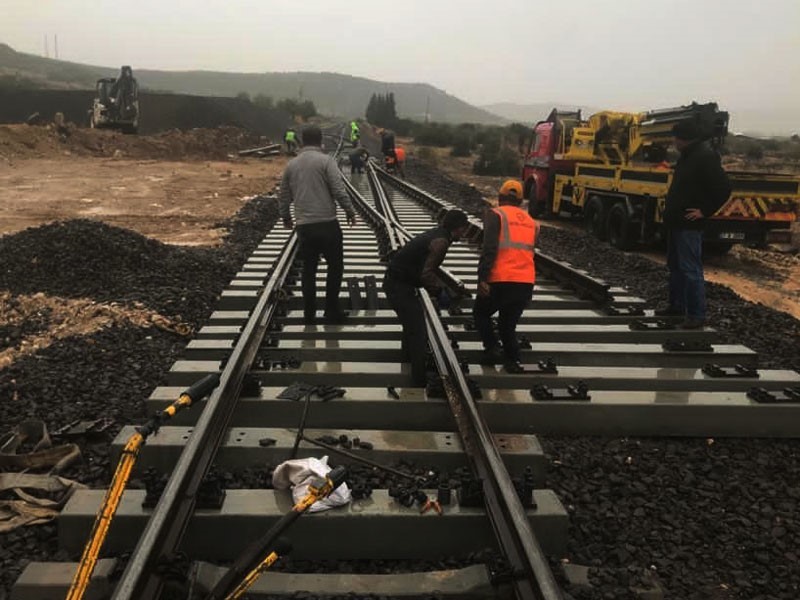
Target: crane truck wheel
594, 217
619, 227
538, 209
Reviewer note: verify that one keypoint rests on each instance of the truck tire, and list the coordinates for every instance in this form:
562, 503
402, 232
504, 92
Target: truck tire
619, 227
594, 217
536, 208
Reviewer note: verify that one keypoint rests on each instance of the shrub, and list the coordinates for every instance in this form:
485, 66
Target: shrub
754, 151
427, 154
434, 134
462, 144
503, 161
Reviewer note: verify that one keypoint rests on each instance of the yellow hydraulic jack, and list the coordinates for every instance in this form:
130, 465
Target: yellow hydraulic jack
282, 547
251, 563
130, 453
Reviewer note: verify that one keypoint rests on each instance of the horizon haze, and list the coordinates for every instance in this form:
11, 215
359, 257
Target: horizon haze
610, 54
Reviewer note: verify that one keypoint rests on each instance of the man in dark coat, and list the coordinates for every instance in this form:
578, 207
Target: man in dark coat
699, 188
415, 266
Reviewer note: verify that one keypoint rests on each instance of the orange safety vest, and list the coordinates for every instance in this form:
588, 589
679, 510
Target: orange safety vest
514, 261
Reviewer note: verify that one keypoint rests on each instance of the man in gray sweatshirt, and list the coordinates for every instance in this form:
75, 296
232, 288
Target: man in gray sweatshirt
312, 182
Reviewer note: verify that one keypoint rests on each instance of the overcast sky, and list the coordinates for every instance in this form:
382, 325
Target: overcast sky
606, 53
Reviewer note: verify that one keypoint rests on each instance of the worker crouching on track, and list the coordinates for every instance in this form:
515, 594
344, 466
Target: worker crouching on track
415, 266
506, 274
699, 188
397, 163
313, 182
358, 160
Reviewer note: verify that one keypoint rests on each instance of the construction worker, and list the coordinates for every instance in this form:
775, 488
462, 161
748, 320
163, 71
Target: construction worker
358, 160
355, 134
400, 161
415, 266
699, 188
506, 274
387, 143
290, 138
313, 182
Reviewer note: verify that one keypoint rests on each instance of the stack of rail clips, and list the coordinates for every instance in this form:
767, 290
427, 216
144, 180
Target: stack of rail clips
370, 289
659, 325
579, 391
624, 311
736, 371
789, 395
687, 346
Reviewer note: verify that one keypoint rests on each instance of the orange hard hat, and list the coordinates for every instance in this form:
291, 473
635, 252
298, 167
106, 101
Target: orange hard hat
511, 190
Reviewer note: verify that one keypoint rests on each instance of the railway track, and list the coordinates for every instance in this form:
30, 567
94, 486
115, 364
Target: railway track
609, 368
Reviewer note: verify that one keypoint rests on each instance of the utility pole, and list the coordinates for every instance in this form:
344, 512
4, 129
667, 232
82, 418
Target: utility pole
46, 48
55, 43
428, 109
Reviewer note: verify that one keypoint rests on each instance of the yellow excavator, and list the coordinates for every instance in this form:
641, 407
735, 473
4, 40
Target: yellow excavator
116, 105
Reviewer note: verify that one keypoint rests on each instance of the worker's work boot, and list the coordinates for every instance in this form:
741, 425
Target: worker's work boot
492, 356
514, 367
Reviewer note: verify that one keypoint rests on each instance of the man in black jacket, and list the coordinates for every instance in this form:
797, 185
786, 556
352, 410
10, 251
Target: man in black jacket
415, 266
699, 188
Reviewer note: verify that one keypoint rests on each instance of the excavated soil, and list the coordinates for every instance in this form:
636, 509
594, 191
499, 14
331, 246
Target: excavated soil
175, 187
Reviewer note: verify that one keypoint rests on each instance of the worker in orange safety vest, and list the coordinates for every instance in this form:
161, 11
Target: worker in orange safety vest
506, 274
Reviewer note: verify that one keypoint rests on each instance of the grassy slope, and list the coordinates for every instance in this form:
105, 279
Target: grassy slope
333, 93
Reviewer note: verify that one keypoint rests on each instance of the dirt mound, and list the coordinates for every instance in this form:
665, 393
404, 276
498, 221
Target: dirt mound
89, 259
23, 141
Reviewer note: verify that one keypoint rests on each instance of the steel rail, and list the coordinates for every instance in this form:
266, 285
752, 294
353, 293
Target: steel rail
167, 524
387, 208
583, 284
374, 217
532, 578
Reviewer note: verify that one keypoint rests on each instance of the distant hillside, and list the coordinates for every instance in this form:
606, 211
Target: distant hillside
333, 93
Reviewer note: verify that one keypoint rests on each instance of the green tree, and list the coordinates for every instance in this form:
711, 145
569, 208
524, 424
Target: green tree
305, 109
264, 101
243, 96
381, 110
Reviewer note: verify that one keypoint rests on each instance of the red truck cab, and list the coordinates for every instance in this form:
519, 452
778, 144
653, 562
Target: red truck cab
543, 160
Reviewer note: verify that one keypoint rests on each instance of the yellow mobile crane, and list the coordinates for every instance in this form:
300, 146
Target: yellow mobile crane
611, 169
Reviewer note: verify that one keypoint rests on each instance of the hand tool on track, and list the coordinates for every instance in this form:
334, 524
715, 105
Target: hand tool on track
259, 551
130, 453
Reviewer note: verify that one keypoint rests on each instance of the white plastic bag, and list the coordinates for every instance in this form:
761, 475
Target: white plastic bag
298, 474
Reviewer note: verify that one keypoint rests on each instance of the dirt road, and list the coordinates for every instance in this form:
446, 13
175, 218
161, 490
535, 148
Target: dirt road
174, 202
